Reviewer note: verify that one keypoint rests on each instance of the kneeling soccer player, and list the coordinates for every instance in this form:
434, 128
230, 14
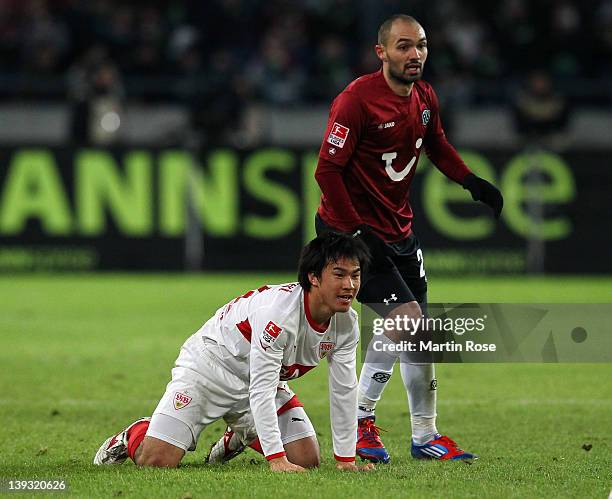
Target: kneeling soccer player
234, 366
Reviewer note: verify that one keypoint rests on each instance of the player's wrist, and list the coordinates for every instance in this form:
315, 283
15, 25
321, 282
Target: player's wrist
468, 181
482, 190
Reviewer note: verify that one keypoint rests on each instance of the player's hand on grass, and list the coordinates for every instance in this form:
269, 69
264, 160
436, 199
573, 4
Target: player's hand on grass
281, 464
351, 466
481, 190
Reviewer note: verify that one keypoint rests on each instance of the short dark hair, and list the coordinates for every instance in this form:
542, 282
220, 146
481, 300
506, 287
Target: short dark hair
327, 248
385, 27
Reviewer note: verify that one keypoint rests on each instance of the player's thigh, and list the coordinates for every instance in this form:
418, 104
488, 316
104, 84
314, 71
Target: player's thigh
192, 401
383, 291
411, 266
299, 438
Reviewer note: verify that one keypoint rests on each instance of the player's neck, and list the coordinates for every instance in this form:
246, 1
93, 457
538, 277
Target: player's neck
397, 87
319, 312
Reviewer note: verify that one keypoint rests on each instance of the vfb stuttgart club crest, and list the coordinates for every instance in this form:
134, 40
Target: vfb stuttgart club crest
181, 400
425, 115
325, 347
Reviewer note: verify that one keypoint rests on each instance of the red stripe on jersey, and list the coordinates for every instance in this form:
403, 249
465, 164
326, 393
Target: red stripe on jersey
291, 404
319, 328
293, 371
274, 456
263, 288
245, 328
345, 459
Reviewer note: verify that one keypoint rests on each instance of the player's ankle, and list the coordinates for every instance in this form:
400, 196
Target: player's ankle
423, 438
366, 412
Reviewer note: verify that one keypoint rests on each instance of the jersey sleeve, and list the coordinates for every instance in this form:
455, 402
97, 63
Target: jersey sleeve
346, 123
268, 341
343, 398
439, 150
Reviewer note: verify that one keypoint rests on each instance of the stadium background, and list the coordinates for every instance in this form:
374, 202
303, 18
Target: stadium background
182, 137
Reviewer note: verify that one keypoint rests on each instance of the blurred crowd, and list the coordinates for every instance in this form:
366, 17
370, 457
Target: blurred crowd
213, 56
285, 52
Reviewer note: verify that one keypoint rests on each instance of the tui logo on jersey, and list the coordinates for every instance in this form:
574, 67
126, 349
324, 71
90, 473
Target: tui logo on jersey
325, 347
181, 400
337, 136
270, 334
425, 116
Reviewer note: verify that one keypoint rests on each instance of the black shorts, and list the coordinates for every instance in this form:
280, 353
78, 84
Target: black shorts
400, 279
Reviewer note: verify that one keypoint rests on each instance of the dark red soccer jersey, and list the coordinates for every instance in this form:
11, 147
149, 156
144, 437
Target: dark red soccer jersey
371, 148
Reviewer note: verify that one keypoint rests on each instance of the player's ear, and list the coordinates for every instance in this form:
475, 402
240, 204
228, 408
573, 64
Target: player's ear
314, 279
381, 53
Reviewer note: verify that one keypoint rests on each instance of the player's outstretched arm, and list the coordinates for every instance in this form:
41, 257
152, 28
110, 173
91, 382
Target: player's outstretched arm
481, 190
282, 464
351, 466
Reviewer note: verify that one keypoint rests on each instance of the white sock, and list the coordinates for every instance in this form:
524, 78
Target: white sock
420, 382
375, 373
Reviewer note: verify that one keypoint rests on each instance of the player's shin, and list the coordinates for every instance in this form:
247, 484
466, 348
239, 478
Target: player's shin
376, 372
421, 384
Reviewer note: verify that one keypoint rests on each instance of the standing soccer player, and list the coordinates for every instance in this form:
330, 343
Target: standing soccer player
377, 128
235, 367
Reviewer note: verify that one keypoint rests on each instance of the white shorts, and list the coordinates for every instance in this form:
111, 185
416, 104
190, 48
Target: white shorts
196, 398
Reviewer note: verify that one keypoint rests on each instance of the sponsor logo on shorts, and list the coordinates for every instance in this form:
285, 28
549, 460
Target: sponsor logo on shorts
434, 384
390, 299
181, 400
332, 150
325, 347
381, 377
337, 136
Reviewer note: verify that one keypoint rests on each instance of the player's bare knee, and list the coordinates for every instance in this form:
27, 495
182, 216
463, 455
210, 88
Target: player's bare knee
304, 452
411, 309
137, 454
156, 458
400, 315
157, 461
158, 454
311, 462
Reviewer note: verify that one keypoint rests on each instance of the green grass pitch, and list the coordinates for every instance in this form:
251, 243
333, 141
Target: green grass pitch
84, 355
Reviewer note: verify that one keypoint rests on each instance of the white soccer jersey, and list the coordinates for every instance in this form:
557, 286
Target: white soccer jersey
268, 335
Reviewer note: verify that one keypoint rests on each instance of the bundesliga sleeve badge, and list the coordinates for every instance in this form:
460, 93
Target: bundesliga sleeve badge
270, 334
337, 136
